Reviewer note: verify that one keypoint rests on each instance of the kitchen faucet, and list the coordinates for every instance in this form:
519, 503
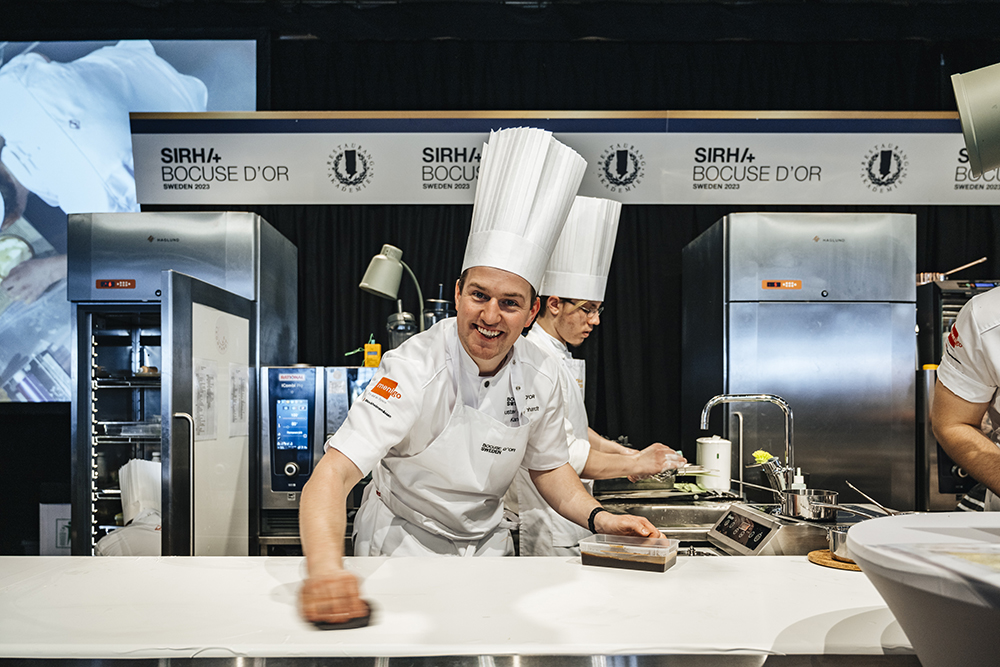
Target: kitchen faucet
789, 468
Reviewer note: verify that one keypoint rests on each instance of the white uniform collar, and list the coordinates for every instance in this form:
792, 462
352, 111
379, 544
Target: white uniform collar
537, 330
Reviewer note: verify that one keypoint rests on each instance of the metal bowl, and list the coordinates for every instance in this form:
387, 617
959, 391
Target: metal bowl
836, 537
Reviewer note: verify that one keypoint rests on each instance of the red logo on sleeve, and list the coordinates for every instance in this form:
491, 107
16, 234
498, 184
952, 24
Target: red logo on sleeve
386, 388
953, 337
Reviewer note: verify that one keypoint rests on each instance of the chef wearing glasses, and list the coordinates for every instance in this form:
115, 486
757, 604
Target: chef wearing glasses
578, 271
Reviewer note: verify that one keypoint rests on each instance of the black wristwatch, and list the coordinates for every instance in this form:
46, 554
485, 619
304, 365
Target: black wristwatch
590, 522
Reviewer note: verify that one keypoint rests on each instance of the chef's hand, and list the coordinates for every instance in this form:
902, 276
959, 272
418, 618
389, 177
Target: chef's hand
655, 459
624, 524
332, 598
28, 280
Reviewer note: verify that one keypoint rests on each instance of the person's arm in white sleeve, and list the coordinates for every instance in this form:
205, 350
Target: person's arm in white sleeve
966, 385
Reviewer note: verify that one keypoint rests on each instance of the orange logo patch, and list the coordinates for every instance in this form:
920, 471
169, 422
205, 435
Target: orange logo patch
386, 388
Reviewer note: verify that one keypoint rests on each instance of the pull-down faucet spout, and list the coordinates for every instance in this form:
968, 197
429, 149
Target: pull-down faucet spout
756, 398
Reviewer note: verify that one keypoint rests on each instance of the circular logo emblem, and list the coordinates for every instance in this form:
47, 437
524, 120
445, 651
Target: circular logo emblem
350, 167
621, 168
884, 167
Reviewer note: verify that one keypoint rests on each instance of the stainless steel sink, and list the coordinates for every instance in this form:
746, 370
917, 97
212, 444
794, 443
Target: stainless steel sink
688, 522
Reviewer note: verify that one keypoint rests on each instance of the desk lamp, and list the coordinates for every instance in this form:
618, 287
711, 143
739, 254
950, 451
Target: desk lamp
384, 273
978, 96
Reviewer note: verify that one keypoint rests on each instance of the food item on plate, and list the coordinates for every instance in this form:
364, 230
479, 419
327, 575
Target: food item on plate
13, 251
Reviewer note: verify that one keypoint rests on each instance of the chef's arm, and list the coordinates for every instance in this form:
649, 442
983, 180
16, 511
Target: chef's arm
652, 460
330, 593
957, 426
602, 444
562, 490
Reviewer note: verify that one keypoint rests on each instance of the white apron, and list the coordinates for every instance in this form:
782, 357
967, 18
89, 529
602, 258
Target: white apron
544, 532
447, 498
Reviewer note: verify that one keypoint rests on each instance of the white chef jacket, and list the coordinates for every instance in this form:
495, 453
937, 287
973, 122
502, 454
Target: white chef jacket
544, 532
66, 125
141, 537
410, 400
970, 366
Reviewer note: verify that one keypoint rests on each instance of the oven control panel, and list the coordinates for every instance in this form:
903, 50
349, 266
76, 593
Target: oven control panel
744, 531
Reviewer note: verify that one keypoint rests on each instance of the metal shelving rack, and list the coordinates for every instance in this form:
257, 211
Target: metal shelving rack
124, 407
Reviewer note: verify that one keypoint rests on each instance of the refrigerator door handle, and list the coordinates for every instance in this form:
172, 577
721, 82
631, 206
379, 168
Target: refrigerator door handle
190, 421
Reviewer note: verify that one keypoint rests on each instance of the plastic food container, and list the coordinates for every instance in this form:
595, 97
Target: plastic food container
632, 553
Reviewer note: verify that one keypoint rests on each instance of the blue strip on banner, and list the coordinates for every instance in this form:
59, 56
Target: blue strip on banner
814, 125
391, 125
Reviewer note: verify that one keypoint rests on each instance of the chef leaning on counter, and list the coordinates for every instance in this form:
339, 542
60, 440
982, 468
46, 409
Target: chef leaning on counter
966, 389
454, 412
578, 273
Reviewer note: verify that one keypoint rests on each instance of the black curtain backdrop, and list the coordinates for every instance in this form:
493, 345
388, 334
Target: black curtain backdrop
634, 356
449, 56
633, 361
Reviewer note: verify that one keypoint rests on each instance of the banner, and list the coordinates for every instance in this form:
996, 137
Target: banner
635, 158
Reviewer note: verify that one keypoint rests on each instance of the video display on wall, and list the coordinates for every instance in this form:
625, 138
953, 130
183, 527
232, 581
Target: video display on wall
66, 147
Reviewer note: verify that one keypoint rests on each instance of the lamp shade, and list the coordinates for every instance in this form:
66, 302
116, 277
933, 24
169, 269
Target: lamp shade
978, 96
384, 273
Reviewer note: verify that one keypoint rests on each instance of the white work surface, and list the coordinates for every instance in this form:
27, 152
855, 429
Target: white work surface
77, 607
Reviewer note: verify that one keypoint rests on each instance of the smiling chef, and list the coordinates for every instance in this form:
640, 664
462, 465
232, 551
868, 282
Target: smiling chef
453, 413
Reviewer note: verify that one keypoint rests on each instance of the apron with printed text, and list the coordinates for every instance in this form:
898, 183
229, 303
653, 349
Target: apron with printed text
450, 491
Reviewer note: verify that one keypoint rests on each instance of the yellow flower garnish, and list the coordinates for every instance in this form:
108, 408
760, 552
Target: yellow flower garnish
760, 456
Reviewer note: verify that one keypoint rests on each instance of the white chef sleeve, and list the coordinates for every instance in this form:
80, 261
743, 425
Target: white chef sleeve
579, 450
384, 414
967, 368
547, 446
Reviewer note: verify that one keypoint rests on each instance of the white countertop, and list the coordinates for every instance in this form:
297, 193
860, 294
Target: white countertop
78, 607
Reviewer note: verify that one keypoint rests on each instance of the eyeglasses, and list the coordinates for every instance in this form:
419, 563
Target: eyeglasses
591, 313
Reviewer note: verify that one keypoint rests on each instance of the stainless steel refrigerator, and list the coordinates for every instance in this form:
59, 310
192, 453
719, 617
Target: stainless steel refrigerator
819, 309
173, 315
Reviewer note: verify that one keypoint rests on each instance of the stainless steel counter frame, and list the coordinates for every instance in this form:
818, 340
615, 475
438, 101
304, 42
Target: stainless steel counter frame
447, 612
495, 661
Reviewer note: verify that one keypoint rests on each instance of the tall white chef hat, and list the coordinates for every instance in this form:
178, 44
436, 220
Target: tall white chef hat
578, 268
527, 181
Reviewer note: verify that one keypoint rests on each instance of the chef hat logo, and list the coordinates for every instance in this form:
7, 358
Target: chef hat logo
527, 182
581, 259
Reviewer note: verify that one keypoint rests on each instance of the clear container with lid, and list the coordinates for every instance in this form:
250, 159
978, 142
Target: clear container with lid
655, 554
